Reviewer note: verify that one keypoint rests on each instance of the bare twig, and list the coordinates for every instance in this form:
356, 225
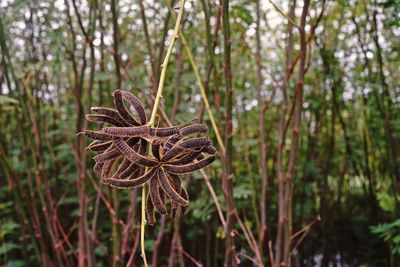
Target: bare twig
215, 198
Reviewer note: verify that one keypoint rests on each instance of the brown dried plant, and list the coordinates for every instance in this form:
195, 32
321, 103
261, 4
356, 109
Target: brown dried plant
174, 151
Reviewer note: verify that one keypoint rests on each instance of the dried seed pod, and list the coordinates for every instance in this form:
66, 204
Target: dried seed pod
188, 168
173, 153
189, 157
209, 150
182, 147
105, 171
137, 105
150, 210
162, 197
97, 135
175, 181
174, 208
109, 112
143, 147
103, 118
133, 141
155, 148
99, 145
185, 195
200, 157
155, 196
137, 173
194, 129
133, 156
97, 167
171, 142
134, 131
196, 142
129, 171
164, 132
107, 155
126, 184
167, 187
122, 167
119, 104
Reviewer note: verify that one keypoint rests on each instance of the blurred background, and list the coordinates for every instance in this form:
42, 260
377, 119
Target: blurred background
333, 173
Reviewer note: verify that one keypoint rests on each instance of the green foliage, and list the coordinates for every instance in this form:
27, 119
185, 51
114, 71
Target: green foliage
6, 100
7, 104
202, 210
7, 227
242, 192
7, 247
386, 201
239, 11
389, 232
8, 230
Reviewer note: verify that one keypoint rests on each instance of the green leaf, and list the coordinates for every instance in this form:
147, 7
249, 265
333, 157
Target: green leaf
240, 192
149, 245
220, 233
7, 247
7, 227
6, 100
100, 250
386, 202
396, 239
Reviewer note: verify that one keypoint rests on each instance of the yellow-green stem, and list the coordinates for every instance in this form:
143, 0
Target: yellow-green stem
153, 118
201, 86
142, 225
165, 63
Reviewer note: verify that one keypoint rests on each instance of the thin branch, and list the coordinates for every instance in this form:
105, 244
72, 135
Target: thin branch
303, 232
215, 198
280, 11
187, 255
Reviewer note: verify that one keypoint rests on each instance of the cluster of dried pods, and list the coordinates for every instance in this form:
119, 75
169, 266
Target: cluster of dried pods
124, 162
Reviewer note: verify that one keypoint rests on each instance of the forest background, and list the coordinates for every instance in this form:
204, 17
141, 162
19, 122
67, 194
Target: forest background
305, 99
